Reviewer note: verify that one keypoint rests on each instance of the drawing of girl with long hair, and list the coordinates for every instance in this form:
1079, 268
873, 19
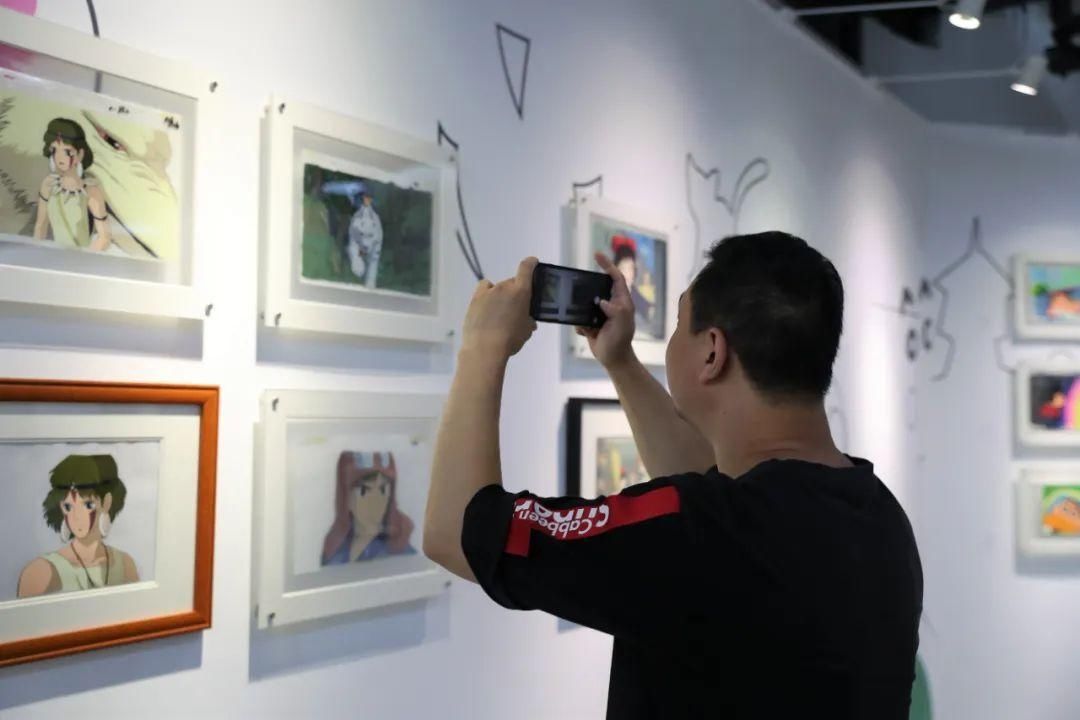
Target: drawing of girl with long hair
85, 497
72, 203
367, 522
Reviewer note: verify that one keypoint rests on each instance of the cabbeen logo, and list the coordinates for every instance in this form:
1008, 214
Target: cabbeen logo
580, 521
588, 519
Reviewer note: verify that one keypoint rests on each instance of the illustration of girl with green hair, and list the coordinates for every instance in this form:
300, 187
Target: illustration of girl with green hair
71, 200
86, 496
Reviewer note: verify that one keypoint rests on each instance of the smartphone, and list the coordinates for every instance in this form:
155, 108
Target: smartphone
569, 296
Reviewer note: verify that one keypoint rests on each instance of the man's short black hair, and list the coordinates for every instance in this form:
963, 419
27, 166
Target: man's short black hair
780, 304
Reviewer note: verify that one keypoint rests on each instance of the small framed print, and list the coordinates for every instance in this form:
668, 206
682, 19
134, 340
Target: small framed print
109, 525
342, 488
1048, 404
1048, 511
638, 242
98, 159
1047, 298
601, 457
357, 220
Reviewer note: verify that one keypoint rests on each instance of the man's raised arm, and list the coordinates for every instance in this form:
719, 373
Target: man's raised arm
667, 443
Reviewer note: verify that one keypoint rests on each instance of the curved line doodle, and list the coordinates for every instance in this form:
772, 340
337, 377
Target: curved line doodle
836, 409
97, 34
743, 185
974, 248
468, 249
517, 96
578, 187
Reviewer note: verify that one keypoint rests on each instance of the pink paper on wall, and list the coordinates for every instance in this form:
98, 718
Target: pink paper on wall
28, 7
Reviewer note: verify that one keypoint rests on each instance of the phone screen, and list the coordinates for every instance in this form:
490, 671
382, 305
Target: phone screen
569, 296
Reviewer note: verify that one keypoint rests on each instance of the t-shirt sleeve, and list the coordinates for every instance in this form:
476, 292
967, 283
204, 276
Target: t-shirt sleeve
624, 564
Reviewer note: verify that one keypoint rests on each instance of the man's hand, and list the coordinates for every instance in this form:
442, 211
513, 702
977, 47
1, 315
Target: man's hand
498, 321
610, 343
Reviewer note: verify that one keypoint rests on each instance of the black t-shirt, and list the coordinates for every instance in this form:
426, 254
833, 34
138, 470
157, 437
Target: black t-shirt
792, 591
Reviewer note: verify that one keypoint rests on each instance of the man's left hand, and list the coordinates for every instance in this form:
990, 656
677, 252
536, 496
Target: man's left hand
498, 322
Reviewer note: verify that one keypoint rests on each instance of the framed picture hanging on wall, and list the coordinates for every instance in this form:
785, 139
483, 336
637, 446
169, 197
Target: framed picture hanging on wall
357, 220
601, 457
1048, 511
1048, 404
638, 242
108, 514
98, 159
342, 488
1047, 297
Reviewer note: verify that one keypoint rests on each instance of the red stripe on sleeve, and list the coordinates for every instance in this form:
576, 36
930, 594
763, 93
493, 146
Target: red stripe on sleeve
587, 519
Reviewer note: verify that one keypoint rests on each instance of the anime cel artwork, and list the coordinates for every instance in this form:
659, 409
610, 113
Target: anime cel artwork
82, 171
86, 494
618, 465
642, 260
1055, 292
367, 522
1061, 510
1055, 401
360, 233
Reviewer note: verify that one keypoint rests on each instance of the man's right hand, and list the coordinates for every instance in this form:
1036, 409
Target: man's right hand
610, 343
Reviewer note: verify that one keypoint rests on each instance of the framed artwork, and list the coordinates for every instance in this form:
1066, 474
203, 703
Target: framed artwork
97, 156
1048, 404
601, 457
1047, 298
342, 488
638, 242
358, 219
1048, 511
109, 532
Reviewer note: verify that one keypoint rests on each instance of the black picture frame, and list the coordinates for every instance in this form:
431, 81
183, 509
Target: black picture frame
575, 406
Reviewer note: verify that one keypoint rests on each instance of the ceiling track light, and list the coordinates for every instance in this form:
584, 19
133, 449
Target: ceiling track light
968, 14
1032, 74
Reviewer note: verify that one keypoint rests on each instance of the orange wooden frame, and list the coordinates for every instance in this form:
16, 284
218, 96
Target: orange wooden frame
196, 619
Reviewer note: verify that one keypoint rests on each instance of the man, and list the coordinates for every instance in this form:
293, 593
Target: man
763, 574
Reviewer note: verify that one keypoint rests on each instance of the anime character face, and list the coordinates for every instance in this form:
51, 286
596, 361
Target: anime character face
65, 157
1058, 400
81, 512
369, 502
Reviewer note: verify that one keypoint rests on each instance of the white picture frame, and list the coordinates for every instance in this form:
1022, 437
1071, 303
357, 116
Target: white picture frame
1028, 323
289, 301
284, 596
1034, 537
1032, 434
589, 209
112, 282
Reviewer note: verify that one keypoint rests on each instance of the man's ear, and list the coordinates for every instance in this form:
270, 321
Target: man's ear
716, 352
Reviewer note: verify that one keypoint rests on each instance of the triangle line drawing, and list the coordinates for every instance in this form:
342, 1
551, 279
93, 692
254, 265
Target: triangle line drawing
516, 95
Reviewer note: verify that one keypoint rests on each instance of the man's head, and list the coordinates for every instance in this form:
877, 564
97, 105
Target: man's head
765, 312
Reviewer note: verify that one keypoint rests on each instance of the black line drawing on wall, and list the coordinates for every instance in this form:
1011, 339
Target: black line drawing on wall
837, 415
755, 173
974, 249
578, 189
930, 327
468, 249
506, 37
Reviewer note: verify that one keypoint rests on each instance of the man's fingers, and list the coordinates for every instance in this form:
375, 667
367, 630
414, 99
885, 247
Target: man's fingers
482, 286
618, 286
525, 270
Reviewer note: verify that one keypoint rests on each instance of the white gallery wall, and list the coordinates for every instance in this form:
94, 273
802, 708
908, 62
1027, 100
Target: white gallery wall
999, 631
622, 88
